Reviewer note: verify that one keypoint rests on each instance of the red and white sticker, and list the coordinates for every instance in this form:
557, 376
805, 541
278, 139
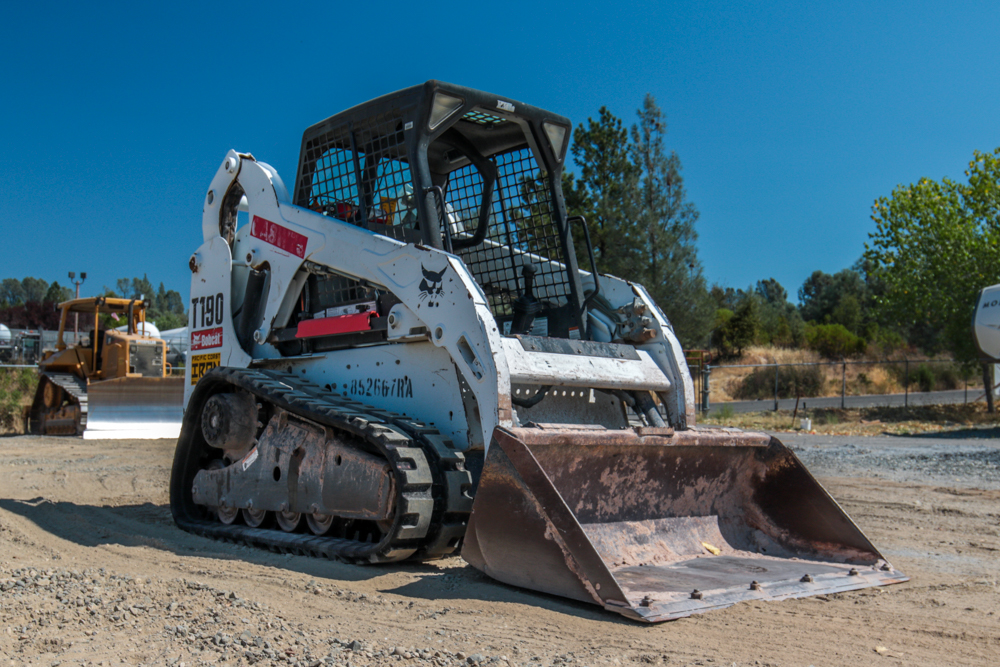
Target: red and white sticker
249, 459
278, 236
206, 338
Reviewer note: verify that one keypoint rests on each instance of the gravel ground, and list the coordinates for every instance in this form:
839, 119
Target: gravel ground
94, 572
969, 458
68, 612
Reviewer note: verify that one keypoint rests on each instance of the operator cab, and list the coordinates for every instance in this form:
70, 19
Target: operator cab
460, 170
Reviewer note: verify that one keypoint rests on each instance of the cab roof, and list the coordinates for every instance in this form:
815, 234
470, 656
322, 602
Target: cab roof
103, 304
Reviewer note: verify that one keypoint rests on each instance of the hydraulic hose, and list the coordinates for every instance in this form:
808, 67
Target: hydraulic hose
534, 400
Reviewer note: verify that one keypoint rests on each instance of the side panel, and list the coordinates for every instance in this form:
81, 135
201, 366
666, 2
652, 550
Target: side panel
434, 285
210, 321
414, 379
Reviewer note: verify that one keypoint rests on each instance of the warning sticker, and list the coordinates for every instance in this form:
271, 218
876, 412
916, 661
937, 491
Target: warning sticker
278, 236
203, 363
249, 459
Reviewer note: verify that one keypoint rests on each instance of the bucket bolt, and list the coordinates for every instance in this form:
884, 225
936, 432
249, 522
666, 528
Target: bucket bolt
646, 601
696, 594
754, 586
885, 567
806, 578
854, 572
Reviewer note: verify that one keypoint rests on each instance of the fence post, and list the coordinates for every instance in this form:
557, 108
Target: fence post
843, 387
988, 387
706, 373
906, 384
776, 386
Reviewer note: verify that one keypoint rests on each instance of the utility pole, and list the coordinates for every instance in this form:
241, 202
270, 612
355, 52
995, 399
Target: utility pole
76, 316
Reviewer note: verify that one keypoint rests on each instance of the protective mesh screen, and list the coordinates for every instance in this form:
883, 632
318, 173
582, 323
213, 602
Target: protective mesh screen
333, 167
521, 228
331, 170
330, 291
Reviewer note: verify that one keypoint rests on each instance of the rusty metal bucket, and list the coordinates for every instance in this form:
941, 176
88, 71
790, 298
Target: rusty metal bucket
658, 525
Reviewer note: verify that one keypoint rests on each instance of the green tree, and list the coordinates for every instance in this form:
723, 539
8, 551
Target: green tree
123, 286
934, 246
11, 293
605, 192
848, 314
57, 293
169, 301
821, 293
780, 322
737, 330
34, 289
632, 194
166, 307
664, 232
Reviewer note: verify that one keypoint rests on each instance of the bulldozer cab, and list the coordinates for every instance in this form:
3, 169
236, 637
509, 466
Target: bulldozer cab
108, 353
460, 170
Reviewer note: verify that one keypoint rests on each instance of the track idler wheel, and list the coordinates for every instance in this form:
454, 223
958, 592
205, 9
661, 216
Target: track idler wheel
51, 395
229, 422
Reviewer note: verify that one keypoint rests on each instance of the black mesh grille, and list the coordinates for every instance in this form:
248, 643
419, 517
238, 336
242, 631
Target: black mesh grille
359, 172
377, 158
331, 291
521, 228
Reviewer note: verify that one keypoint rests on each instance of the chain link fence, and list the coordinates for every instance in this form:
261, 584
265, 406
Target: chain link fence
813, 380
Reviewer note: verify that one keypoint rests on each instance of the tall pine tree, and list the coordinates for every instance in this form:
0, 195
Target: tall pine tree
670, 269
631, 191
605, 193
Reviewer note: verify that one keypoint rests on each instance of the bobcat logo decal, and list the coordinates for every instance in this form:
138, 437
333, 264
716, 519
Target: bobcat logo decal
431, 287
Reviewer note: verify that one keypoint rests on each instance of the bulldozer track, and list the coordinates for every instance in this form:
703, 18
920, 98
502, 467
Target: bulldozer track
433, 500
76, 389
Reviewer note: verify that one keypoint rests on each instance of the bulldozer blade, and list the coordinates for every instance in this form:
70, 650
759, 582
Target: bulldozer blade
657, 525
135, 407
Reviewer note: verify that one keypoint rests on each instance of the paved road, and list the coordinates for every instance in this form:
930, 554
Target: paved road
914, 398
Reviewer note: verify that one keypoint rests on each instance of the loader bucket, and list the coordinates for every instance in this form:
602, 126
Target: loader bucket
657, 525
141, 408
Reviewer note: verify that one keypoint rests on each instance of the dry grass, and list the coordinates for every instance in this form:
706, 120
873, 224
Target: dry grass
864, 421
861, 379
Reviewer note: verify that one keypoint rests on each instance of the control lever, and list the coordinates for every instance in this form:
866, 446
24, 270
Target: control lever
526, 306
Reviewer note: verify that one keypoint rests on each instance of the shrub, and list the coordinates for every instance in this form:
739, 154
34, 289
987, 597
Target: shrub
833, 340
883, 342
793, 381
724, 412
17, 387
925, 377
947, 377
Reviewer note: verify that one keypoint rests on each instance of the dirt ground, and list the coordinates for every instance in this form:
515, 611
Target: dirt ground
93, 571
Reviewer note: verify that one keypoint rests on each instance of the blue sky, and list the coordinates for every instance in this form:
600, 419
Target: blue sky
790, 118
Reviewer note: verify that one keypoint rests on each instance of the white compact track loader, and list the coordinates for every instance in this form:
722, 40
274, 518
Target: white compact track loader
401, 359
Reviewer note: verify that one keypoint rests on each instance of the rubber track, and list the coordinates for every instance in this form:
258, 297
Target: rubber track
433, 500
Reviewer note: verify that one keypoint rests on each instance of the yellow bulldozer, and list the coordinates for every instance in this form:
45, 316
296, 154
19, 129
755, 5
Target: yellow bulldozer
116, 385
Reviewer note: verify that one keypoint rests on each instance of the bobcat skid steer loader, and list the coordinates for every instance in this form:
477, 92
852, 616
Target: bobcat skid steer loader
401, 359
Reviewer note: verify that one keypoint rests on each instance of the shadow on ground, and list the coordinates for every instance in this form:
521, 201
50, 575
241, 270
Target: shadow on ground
152, 526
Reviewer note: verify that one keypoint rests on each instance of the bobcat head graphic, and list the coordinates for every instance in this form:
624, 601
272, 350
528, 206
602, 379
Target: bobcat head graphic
430, 287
